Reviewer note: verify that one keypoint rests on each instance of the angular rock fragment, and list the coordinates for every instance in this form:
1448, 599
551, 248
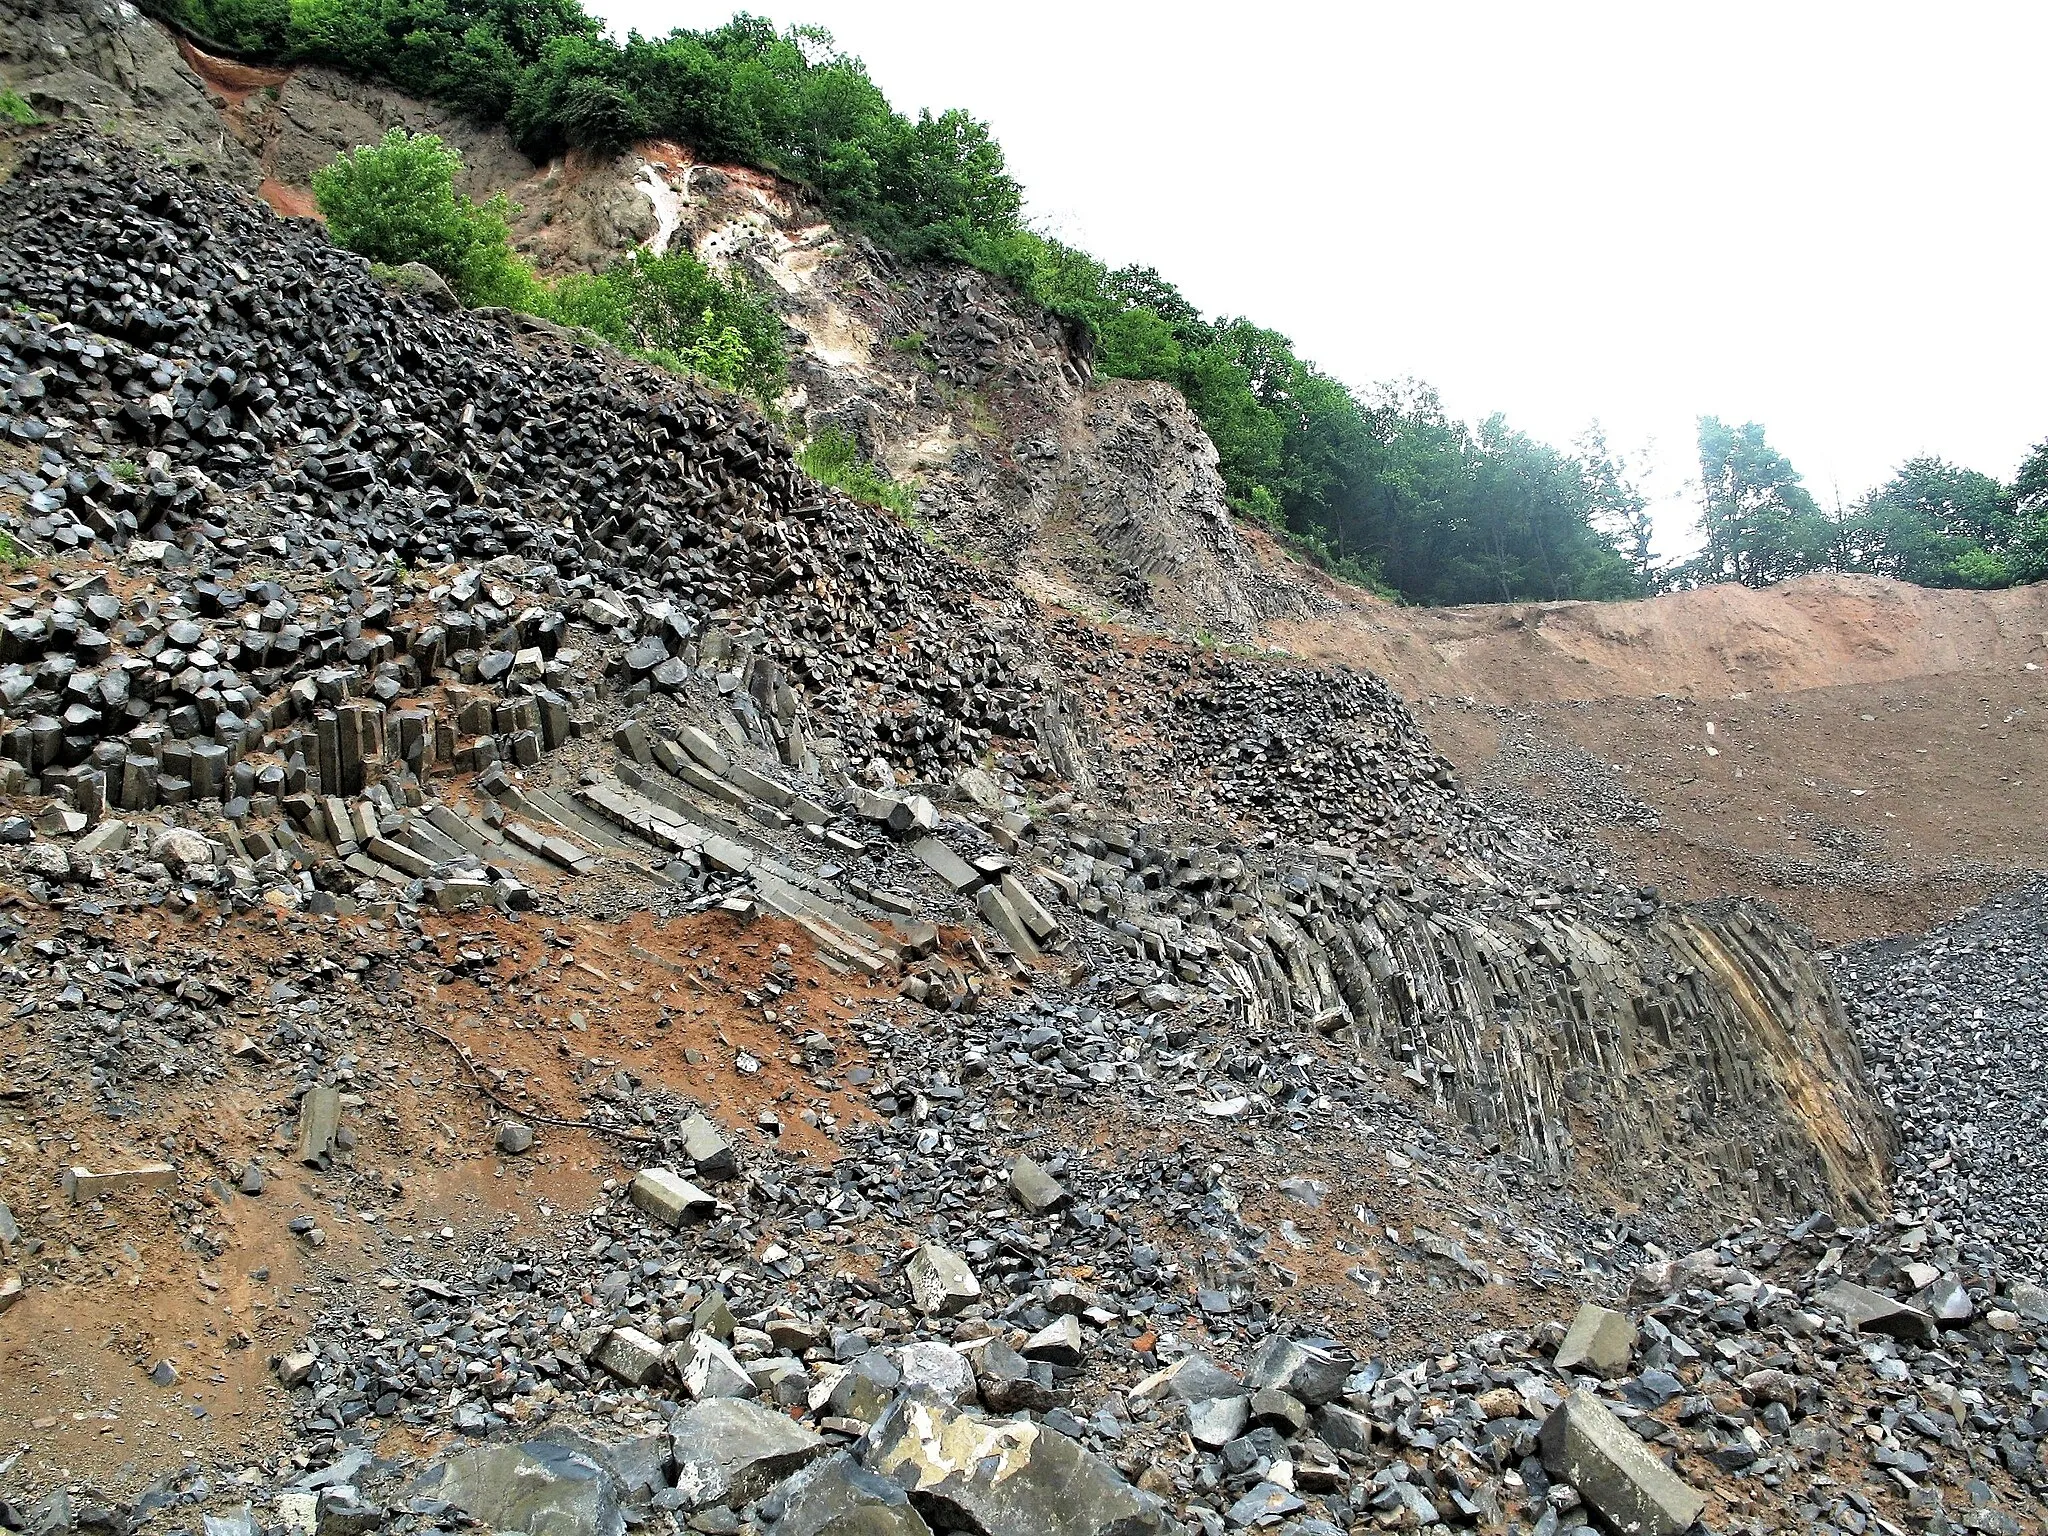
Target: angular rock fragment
1599, 1340
707, 1369
1615, 1473
1869, 1311
729, 1451
1216, 1421
938, 1370
837, 1496
940, 1282
630, 1355
1036, 1190
707, 1148
667, 1196
1305, 1371
537, 1488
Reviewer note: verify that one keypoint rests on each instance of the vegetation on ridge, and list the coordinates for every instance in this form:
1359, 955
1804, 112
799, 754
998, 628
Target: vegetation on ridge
1933, 523
396, 202
1381, 485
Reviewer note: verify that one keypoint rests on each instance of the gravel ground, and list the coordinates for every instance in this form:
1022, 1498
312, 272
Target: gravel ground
1952, 1025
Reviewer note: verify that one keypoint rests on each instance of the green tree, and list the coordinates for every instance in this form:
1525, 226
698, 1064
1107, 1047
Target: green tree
1137, 344
1759, 521
2027, 500
1617, 509
676, 310
1934, 524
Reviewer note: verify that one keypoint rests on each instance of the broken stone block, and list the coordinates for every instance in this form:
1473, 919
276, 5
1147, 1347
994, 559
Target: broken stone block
1308, 1372
667, 1196
1599, 1340
319, 1124
1632, 1490
630, 1355
1344, 1429
707, 1149
707, 1369
295, 1368
1036, 1190
942, 861
1216, 1421
996, 910
1192, 1379
1271, 1408
940, 1282
515, 1138
181, 852
837, 1496
538, 1488
1008, 1382
82, 1184
1058, 1342
731, 1451
1869, 1311
938, 1369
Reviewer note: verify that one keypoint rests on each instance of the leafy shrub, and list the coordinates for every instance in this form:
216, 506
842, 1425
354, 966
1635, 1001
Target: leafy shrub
395, 202
678, 311
240, 26
834, 458
1137, 344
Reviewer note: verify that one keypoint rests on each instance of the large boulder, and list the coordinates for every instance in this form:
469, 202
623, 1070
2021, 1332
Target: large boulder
539, 1488
729, 1450
1002, 1477
1869, 1311
837, 1496
1615, 1473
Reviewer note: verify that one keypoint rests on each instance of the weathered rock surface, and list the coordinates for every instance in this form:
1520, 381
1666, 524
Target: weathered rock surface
102, 62
731, 1451
539, 1488
1004, 1478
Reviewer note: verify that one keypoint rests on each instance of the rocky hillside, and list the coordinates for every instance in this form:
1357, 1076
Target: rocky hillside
1098, 494
567, 976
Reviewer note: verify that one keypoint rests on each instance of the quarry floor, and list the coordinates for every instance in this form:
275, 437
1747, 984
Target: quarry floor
1868, 756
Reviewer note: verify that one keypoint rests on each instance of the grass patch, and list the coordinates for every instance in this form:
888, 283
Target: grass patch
12, 556
834, 459
14, 110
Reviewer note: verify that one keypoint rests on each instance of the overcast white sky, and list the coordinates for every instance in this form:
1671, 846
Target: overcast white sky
1828, 218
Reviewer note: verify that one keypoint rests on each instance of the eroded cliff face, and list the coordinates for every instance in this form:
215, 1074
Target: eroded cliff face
1099, 494
102, 62
1298, 840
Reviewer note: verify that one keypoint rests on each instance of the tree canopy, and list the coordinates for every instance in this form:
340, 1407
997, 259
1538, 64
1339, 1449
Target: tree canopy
1933, 523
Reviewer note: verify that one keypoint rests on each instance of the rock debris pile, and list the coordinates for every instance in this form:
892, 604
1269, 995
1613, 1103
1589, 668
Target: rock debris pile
1172, 1066
1951, 1025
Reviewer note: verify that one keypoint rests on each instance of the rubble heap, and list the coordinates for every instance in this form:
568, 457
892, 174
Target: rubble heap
1201, 1044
